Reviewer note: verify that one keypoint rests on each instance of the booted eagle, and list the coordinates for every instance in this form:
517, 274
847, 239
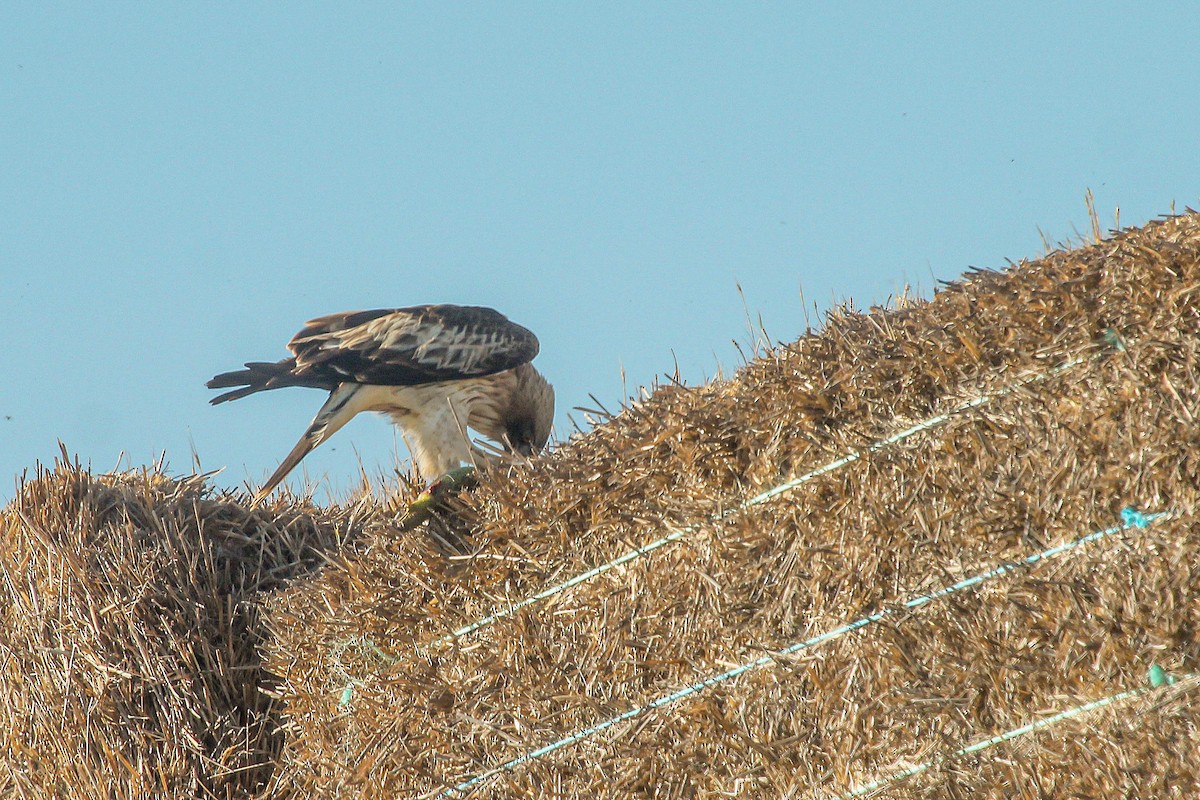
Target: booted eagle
435, 370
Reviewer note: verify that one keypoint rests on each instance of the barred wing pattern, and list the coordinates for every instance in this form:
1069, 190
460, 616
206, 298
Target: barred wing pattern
410, 346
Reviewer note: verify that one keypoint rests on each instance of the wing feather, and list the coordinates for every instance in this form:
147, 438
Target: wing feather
408, 346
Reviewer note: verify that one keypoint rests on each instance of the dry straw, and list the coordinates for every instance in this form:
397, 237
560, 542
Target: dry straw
161, 639
679, 534
1132, 517
129, 633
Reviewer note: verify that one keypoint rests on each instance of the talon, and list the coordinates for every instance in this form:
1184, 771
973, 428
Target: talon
421, 508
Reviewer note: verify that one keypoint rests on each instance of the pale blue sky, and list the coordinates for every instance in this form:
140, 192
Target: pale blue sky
183, 185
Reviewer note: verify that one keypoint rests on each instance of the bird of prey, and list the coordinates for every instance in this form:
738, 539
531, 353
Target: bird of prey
436, 370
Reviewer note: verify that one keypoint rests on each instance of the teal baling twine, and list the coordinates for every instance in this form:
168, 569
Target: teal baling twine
1130, 516
363, 646
1158, 678
1134, 518
1114, 339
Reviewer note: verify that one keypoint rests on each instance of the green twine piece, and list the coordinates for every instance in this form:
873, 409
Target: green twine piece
1114, 339
1159, 677
363, 646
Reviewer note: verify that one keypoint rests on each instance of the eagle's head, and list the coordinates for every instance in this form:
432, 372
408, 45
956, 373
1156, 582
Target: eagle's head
530, 412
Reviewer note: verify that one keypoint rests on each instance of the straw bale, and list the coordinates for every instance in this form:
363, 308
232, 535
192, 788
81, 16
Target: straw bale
129, 630
378, 706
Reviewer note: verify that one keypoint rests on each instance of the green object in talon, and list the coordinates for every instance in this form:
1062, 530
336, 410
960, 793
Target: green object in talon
457, 478
423, 507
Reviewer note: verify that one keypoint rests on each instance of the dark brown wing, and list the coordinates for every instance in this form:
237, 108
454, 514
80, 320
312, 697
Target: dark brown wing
407, 346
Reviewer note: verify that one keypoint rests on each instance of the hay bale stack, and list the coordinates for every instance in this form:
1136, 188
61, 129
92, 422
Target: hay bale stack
129, 632
137, 659
380, 704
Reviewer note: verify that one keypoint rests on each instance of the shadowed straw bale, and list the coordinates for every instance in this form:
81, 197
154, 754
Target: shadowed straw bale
129, 634
138, 600
382, 704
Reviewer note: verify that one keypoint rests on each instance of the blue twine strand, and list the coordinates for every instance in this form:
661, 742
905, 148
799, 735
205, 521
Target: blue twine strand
868, 788
1158, 679
1134, 518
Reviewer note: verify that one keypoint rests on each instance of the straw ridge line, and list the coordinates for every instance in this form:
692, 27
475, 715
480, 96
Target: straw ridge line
679, 534
1015, 733
1131, 519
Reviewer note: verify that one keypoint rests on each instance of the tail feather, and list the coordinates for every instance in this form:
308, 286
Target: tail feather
259, 376
236, 394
